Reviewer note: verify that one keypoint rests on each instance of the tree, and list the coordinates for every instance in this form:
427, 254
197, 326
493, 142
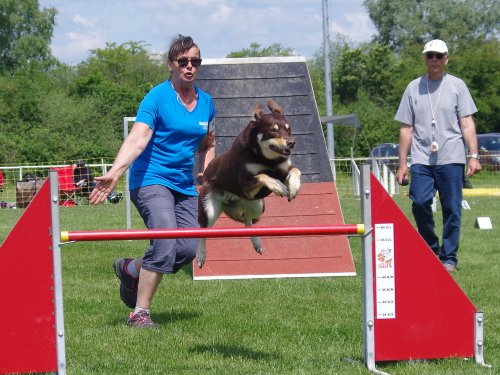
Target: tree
458, 22
65, 113
125, 63
369, 68
478, 67
255, 50
349, 74
25, 34
377, 126
117, 77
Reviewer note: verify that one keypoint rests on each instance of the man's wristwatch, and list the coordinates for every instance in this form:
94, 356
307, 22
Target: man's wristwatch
475, 156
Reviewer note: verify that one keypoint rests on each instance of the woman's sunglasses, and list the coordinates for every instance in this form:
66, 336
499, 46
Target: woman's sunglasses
430, 55
184, 61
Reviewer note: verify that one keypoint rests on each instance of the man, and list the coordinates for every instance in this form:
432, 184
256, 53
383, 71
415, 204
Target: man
436, 123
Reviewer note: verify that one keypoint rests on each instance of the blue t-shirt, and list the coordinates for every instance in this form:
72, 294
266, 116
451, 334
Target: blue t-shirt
169, 158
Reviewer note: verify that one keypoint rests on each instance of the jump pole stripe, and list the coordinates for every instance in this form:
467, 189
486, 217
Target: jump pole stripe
120, 235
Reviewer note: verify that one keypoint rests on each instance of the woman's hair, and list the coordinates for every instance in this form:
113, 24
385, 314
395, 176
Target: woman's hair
179, 45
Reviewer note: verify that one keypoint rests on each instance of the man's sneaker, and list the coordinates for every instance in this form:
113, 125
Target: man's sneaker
450, 267
141, 320
128, 284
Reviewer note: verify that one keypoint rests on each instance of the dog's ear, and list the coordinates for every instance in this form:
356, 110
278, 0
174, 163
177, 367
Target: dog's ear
257, 111
275, 107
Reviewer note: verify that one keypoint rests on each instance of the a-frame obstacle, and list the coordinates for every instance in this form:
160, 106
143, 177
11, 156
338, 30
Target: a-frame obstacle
407, 314
236, 85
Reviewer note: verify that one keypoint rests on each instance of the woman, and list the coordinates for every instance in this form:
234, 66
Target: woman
173, 123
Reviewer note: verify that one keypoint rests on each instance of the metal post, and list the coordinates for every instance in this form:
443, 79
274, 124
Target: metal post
57, 272
479, 339
367, 264
328, 89
126, 120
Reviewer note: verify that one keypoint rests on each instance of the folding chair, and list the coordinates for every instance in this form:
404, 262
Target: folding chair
67, 189
2, 181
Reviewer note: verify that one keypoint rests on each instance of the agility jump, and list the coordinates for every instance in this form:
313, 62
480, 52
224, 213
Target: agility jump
402, 319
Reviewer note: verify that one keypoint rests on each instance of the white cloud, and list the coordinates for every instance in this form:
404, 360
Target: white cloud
358, 27
86, 22
218, 26
74, 45
222, 14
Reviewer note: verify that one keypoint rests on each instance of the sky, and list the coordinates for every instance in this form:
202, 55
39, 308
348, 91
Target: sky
219, 27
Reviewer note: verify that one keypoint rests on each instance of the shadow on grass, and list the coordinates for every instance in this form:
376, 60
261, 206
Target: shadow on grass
233, 351
188, 270
175, 316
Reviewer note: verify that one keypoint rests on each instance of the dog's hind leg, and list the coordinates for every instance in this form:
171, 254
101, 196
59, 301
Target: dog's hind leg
201, 252
209, 209
256, 241
247, 211
253, 210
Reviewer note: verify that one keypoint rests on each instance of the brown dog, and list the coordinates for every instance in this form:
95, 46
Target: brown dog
257, 164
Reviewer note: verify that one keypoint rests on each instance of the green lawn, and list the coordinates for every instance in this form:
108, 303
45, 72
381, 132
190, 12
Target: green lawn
275, 326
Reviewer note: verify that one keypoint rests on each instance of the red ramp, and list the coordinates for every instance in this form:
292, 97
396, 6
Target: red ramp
290, 256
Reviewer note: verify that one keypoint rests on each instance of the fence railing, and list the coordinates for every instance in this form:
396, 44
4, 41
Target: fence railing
347, 176
18, 183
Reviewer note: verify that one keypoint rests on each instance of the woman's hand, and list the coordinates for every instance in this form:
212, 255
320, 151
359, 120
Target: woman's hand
104, 185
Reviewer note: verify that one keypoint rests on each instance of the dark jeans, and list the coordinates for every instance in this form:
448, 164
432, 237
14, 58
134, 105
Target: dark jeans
162, 208
447, 180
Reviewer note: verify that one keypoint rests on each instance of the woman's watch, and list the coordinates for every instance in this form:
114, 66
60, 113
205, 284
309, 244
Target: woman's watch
475, 156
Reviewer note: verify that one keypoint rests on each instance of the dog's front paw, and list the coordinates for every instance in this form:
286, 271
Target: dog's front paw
293, 183
278, 188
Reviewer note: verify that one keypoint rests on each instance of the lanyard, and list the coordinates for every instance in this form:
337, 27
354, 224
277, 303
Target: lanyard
434, 145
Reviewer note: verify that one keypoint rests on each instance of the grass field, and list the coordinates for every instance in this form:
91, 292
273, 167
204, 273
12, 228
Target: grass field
275, 326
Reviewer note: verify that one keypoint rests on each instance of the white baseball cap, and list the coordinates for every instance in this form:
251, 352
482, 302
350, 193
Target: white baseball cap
436, 45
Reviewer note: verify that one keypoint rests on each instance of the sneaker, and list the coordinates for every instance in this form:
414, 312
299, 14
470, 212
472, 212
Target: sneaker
450, 267
141, 320
128, 284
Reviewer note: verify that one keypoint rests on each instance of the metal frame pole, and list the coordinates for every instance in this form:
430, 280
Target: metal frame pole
126, 120
479, 339
367, 264
328, 88
57, 273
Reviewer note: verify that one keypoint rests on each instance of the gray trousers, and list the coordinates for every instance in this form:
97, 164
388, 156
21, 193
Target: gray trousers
161, 207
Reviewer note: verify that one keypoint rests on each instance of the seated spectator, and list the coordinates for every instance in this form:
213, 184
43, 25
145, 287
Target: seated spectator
84, 179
